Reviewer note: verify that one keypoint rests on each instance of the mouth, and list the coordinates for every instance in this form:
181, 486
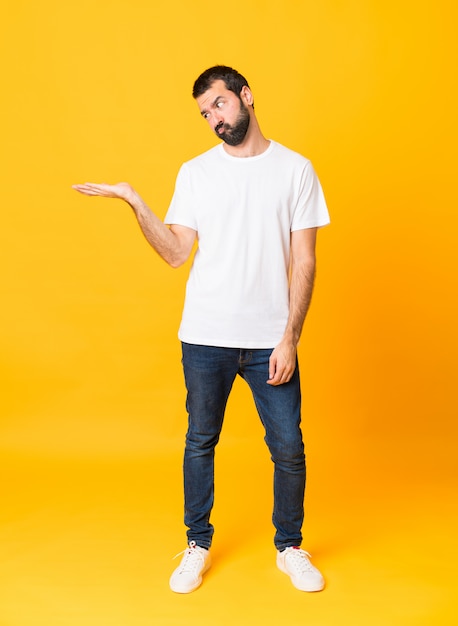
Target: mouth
219, 128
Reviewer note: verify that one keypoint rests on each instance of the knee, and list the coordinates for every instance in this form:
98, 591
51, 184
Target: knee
201, 442
288, 455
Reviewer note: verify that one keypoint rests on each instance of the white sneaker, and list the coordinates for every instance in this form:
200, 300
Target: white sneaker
188, 575
304, 576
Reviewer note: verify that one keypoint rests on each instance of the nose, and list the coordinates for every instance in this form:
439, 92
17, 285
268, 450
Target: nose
216, 119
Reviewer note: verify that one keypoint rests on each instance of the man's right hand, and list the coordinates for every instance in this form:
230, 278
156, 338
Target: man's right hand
123, 191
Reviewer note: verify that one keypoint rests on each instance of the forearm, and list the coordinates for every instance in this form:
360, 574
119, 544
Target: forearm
282, 362
173, 244
300, 296
158, 235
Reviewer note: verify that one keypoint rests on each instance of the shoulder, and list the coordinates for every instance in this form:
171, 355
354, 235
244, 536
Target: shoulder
286, 154
209, 156
198, 165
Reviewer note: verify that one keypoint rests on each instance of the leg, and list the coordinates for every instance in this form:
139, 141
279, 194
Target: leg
209, 374
280, 411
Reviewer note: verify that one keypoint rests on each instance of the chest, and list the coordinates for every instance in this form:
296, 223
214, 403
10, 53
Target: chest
245, 197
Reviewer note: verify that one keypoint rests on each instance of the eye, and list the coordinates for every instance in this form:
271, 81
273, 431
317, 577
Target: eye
219, 104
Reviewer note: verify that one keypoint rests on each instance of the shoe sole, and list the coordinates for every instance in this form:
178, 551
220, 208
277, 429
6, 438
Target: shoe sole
194, 587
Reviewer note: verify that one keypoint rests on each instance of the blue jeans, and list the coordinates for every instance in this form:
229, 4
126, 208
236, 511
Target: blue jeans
209, 374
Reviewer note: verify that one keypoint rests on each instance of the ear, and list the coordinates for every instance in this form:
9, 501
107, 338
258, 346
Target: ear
247, 96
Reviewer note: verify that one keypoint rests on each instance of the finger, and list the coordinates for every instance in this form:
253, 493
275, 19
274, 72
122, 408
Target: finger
272, 367
89, 192
93, 189
277, 378
85, 187
282, 376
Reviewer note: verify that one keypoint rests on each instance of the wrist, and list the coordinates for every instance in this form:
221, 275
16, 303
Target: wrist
133, 199
291, 338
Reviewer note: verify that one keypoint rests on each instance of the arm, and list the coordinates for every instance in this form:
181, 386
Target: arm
283, 358
173, 244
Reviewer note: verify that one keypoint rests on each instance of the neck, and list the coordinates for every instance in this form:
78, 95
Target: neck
254, 143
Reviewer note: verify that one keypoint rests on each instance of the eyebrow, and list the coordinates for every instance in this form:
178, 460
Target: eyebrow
214, 103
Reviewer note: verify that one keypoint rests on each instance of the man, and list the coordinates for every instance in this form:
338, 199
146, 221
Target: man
254, 207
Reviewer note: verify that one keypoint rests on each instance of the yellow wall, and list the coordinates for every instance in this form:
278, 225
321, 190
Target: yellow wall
100, 91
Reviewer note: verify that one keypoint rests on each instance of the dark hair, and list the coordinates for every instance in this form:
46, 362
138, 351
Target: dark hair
232, 79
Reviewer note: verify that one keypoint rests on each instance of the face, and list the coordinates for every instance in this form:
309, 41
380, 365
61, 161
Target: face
226, 113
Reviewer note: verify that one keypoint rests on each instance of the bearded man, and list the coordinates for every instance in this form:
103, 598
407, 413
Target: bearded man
254, 208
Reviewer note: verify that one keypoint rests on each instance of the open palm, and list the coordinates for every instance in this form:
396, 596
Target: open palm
123, 191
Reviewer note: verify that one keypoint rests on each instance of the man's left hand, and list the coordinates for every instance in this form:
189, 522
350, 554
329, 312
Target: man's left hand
282, 363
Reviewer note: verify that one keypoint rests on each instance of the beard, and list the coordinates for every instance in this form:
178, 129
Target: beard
234, 134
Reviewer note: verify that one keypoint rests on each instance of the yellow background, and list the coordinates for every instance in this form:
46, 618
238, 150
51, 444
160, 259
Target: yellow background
93, 422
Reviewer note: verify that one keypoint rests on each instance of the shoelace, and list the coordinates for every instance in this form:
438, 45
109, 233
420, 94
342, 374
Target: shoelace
193, 558
299, 559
